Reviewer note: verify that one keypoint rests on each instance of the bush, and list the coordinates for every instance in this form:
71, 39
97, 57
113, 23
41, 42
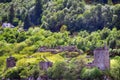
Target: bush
114, 52
22, 72
28, 50
91, 74
57, 71
12, 73
19, 47
115, 68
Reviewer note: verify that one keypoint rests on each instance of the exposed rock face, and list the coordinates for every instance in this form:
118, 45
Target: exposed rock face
59, 49
10, 62
45, 65
101, 59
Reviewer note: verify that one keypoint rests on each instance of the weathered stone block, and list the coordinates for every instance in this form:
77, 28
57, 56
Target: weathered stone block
45, 65
10, 62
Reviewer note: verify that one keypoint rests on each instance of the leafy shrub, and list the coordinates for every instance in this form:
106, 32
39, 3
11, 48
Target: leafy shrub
28, 50
91, 74
115, 68
22, 72
114, 52
5, 1
20, 47
12, 73
26, 62
57, 71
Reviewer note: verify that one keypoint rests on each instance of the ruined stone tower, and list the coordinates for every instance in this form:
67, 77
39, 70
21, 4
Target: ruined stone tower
101, 58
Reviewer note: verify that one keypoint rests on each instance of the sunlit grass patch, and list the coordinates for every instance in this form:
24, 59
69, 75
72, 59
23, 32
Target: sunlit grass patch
55, 58
19, 56
41, 54
113, 63
33, 59
26, 61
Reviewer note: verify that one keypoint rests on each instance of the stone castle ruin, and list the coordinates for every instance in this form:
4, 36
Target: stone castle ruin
59, 49
10, 62
101, 58
45, 65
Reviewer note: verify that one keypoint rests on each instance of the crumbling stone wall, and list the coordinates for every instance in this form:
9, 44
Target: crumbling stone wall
10, 62
59, 49
45, 65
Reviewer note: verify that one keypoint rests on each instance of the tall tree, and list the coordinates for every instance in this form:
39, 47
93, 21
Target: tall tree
38, 12
27, 23
4, 1
34, 16
116, 1
11, 14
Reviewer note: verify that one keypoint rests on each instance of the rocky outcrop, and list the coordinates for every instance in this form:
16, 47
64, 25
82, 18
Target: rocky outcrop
7, 25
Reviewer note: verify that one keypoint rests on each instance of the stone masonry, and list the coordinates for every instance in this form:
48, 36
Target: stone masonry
10, 62
101, 58
59, 49
45, 65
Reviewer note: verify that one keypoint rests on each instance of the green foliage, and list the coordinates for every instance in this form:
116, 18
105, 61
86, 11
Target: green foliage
32, 70
76, 15
68, 70
11, 14
37, 37
19, 47
28, 50
28, 42
115, 68
91, 74
63, 16
57, 71
63, 28
12, 73
12, 35
38, 11
22, 72
5, 1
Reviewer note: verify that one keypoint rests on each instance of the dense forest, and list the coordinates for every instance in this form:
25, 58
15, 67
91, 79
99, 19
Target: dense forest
76, 15
86, 24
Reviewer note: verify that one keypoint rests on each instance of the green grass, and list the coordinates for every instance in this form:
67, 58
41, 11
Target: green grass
37, 57
55, 58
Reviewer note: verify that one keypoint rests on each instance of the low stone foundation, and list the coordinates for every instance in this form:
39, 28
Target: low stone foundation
10, 62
